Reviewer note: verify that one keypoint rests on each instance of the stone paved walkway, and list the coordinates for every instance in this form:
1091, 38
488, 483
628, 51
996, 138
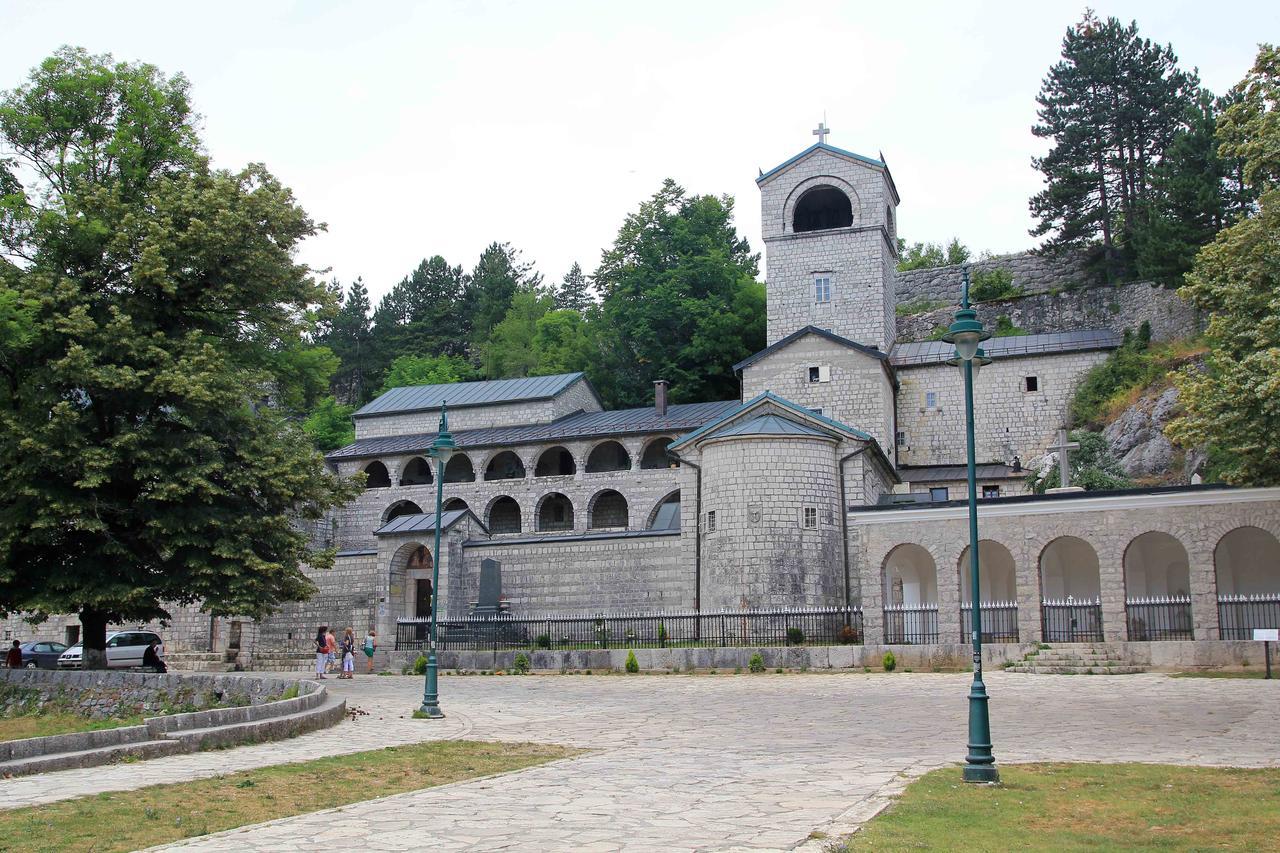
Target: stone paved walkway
708, 762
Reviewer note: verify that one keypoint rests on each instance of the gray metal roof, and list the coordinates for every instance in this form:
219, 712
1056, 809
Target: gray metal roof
679, 418
950, 473
417, 398
811, 330
770, 424
1015, 346
422, 522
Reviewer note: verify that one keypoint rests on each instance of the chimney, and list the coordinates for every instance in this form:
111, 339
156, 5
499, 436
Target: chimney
660, 397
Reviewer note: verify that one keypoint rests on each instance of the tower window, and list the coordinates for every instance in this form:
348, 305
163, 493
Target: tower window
711, 521
822, 207
811, 518
931, 399
902, 438
822, 288
1031, 383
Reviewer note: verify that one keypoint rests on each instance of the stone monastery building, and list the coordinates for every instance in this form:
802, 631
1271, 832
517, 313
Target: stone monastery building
836, 479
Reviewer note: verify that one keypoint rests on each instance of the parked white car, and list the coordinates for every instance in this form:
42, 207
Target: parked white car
124, 649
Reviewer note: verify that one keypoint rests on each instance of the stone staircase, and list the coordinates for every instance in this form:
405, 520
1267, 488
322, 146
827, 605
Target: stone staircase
199, 662
1075, 659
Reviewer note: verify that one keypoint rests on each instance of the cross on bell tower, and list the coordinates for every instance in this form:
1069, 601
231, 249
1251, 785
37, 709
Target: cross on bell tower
821, 132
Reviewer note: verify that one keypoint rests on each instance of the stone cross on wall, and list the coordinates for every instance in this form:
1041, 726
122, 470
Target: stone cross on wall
822, 132
1064, 469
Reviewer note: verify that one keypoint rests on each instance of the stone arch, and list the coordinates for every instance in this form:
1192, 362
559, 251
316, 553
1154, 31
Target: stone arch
555, 462
608, 456
376, 475
997, 573
1156, 563
459, 469
410, 581
400, 508
607, 509
888, 225
503, 515
910, 576
821, 207
504, 465
554, 513
454, 503
1069, 569
1246, 561
655, 454
416, 472
665, 514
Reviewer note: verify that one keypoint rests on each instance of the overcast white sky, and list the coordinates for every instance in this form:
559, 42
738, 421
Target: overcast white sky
415, 129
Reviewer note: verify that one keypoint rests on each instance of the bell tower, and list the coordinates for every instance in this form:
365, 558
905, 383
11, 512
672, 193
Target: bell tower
829, 223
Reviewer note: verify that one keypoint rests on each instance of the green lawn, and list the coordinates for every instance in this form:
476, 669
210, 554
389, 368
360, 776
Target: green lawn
56, 723
129, 820
1229, 673
1077, 807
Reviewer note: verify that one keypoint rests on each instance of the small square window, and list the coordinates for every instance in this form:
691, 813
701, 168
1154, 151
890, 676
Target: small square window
811, 518
991, 491
1031, 383
814, 373
822, 288
902, 438
938, 493
711, 521
931, 399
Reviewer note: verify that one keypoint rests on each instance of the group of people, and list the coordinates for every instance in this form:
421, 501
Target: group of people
329, 652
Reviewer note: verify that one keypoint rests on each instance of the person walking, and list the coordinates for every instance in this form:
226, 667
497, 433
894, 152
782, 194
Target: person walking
331, 647
370, 646
348, 654
13, 659
322, 650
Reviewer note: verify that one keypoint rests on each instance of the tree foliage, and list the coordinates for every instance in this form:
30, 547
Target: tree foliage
574, 293
143, 462
498, 276
329, 425
408, 370
928, 255
1093, 467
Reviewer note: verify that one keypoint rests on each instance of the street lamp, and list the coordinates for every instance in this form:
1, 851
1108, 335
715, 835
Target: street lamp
441, 449
967, 333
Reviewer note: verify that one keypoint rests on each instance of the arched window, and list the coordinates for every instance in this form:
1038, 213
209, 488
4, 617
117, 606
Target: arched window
416, 473
504, 466
1247, 562
608, 456
377, 476
888, 224
820, 208
454, 503
1069, 569
1156, 564
459, 470
666, 515
555, 462
996, 573
608, 509
555, 512
400, 508
504, 515
910, 595
655, 455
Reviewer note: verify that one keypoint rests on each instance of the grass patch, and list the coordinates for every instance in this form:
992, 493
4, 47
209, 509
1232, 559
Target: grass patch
1082, 807
129, 820
57, 723
1228, 673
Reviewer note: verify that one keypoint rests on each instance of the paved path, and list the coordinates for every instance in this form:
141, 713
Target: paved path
709, 762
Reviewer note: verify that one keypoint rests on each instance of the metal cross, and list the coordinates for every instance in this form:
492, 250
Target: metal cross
822, 132
1064, 470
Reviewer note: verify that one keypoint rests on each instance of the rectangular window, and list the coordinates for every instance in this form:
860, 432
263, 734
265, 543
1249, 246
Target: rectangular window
991, 491
902, 438
819, 373
1032, 383
822, 288
930, 399
938, 493
811, 518
814, 373
711, 521
817, 411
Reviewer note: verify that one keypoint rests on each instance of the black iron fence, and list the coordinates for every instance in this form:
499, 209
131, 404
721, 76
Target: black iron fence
911, 624
1238, 615
1165, 617
999, 622
1072, 621
789, 626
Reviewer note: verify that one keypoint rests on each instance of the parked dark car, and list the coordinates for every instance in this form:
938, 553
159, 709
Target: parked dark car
42, 654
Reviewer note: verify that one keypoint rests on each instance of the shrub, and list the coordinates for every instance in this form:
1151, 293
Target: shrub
521, 664
795, 636
1006, 329
778, 670
890, 663
992, 284
756, 664
632, 665
542, 641
1128, 367
662, 635
420, 665
849, 635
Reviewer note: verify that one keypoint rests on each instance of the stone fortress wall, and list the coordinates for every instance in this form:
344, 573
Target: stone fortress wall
1032, 271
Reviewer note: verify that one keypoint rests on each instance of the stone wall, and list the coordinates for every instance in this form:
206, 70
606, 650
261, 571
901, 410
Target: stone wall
1126, 306
1034, 273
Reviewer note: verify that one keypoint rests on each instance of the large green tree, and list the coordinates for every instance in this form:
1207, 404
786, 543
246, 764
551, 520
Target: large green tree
1111, 107
426, 313
679, 301
143, 462
574, 293
927, 255
498, 276
1232, 404
509, 351
350, 338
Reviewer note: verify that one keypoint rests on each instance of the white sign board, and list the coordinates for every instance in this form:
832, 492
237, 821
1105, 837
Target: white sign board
1272, 634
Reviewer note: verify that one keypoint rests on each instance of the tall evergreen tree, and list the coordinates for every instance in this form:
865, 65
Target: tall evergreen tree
423, 314
349, 336
574, 293
1112, 106
498, 276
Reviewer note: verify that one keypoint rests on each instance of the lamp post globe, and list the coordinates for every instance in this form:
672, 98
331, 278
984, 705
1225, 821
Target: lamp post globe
441, 449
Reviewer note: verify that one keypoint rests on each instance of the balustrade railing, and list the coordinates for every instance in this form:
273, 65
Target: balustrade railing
1162, 617
1072, 620
911, 624
1238, 615
999, 622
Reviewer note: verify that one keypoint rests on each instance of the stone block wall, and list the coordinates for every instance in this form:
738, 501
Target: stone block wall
1034, 273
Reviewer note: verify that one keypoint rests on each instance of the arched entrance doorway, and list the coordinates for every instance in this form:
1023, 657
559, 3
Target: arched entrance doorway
1071, 591
1157, 588
910, 596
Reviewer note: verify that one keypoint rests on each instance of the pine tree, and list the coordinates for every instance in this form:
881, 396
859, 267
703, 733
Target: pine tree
349, 337
497, 277
424, 314
574, 292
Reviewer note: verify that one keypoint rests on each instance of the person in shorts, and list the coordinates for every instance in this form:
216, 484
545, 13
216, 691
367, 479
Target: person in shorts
348, 654
322, 650
331, 649
370, 646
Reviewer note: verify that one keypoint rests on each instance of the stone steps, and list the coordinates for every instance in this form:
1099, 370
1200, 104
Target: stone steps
199, 662
92, 757
1076, 659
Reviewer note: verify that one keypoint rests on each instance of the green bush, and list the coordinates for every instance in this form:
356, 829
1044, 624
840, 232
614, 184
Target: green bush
521, 664
632, 665
1093, 467
1130, 366
756, 664
420, 665
662, 635
1006, 329
890, 663
992, 284
795, 637
542, 641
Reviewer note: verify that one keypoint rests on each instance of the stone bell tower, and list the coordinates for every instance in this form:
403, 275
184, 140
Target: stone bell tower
829, 223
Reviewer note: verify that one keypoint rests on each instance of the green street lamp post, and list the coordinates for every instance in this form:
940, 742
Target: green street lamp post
441, 449
966, 333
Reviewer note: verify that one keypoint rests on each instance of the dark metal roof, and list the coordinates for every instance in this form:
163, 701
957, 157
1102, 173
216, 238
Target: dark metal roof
418, 398
1034, 498
569, 537
423, 522
680, 417
771, 424
768, 396
945, 473
811, 330
1014, 346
